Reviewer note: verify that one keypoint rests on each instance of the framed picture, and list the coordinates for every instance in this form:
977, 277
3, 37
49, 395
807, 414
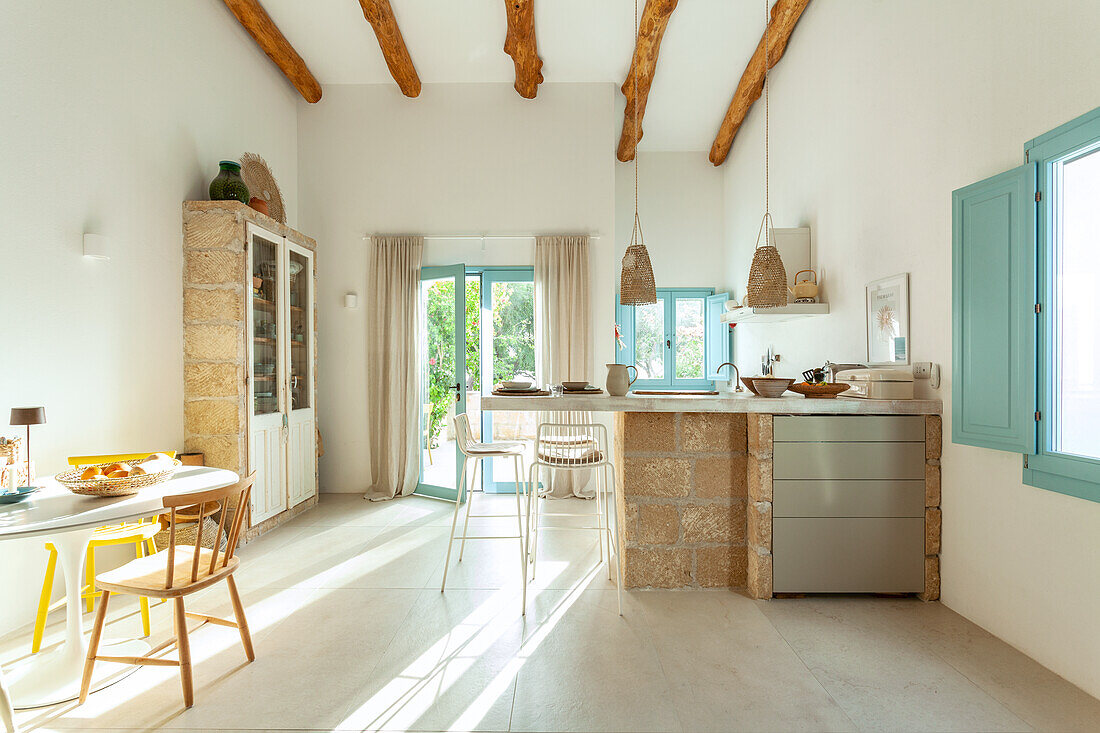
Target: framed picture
888, 321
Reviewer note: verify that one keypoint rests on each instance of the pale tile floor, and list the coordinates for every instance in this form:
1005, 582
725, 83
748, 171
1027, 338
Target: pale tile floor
352, 633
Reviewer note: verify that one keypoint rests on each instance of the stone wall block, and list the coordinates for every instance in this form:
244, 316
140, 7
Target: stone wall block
722, 477
213, 267
208, 304
650, 432
759, 478
656, 477
760, 524
658, 524
759, 577
933, 523
760, 432
933, 436
629, 522
707, 432
213, 342
723, 523
721, 567
931, 579
662, 568
931, 484
220, 451
212, 417
204, 379
209, 230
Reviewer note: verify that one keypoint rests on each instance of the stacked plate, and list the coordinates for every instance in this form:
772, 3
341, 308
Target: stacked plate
517, 387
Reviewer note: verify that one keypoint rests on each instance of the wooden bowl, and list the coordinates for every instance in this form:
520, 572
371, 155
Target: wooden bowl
747, 381
820, 391
575, 386
770, 386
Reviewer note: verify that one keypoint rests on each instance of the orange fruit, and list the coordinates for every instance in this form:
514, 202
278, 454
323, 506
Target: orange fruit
91, 472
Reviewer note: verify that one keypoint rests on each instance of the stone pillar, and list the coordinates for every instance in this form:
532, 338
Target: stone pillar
681, 499
933, 516
760, 505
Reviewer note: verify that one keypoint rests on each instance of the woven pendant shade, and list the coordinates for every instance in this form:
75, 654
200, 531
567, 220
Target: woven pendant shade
636, 286
767, 286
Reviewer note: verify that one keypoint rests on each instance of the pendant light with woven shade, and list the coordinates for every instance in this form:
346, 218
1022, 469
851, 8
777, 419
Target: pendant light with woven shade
636, 285
767, 287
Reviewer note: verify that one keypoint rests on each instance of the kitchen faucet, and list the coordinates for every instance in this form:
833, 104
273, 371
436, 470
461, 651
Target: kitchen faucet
736, 371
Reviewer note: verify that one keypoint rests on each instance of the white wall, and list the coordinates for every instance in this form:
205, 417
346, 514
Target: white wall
681, 210
114, 113
870, 134
466, 158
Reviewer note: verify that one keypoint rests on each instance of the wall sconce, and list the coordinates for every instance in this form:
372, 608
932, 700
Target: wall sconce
95, 247
351, 300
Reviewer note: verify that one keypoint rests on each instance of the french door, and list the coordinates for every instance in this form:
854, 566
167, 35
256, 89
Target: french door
442, 357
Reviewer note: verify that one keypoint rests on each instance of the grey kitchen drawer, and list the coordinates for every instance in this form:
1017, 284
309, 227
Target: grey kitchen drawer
848, 460
835, 429
847, 498
846, 555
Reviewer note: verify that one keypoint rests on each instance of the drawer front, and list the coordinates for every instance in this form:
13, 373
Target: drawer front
847, 498
848, 460
879, 428
844, 555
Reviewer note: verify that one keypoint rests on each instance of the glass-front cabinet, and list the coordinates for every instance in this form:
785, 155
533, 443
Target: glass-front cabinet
282, 427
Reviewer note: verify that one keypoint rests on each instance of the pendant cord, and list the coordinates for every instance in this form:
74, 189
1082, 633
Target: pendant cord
767, 115
636, 234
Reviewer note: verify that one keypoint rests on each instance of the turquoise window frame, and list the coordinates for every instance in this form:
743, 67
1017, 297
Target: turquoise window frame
1047, 469
624, 317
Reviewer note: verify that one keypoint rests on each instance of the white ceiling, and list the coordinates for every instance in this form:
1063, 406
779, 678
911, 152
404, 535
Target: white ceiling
704, 51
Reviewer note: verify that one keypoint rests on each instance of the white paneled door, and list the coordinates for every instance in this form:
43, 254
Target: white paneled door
302, 438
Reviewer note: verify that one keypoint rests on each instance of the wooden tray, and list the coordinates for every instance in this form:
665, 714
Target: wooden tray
820, 391
532, 393
681, 393
582, 391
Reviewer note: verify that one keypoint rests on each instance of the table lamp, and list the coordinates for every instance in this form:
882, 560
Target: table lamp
28, 416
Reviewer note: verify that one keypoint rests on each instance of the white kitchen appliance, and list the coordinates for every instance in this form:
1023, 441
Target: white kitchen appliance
877, 384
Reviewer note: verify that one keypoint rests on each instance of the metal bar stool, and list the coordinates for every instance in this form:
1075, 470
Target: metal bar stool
575, 447
477, 452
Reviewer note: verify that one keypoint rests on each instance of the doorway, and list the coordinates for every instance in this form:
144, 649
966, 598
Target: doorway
477, 329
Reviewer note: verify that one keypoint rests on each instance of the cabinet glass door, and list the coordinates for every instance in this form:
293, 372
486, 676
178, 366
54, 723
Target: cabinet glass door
302, 426
266, 365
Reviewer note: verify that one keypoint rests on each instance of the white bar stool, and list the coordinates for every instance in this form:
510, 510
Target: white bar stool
575, 447
477, 452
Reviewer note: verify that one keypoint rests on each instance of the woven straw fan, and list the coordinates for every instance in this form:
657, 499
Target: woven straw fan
257, 176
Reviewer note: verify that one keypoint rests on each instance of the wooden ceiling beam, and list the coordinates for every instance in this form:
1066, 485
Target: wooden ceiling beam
380, 15
647, 46
521, 45
268, 37
784, 16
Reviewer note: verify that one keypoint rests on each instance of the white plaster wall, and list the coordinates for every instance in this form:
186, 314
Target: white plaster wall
459, 159
880, 110
114, 112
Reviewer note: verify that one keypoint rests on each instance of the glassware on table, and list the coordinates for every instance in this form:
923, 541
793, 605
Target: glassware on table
554, 389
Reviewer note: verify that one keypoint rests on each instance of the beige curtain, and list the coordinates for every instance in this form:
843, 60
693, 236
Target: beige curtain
563, 338
393, 402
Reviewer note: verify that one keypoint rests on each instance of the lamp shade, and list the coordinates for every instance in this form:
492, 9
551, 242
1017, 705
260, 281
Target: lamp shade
28, 415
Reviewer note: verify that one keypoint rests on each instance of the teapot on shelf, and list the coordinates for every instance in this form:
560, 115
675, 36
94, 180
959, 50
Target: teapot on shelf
804, 291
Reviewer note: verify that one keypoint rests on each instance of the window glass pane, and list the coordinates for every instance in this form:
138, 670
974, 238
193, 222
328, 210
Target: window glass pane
513, 331
689, 338
265, 337
649, 340
1076, 425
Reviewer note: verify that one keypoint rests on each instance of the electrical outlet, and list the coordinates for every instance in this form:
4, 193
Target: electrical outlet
922, 370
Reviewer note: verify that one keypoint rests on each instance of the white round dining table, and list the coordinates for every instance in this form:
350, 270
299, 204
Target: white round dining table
67, 520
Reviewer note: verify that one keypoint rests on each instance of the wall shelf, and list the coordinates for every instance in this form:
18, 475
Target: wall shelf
790, 312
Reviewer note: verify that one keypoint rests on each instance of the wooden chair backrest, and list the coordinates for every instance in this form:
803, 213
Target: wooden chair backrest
241, 491
114, 458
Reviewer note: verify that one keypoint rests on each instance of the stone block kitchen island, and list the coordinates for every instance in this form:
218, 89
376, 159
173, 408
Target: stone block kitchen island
771, 495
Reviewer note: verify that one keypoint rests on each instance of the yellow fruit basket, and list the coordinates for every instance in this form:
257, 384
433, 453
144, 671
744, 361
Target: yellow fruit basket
102, 485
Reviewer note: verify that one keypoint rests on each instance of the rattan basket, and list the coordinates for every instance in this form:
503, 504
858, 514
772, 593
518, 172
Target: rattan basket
767, 286
111, 486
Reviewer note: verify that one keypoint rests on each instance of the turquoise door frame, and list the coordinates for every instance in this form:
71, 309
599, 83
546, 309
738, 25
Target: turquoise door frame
624, 316
489, 276
458, 274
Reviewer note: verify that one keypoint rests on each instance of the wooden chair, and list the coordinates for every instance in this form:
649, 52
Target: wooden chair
139, 534
175, 573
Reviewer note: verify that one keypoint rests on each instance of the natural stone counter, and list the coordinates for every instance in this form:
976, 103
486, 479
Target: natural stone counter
789, 404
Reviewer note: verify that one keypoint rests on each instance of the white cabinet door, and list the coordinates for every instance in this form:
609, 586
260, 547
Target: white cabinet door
302, 440
266, 338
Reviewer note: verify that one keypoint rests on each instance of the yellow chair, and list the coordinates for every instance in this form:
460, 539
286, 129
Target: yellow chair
139, 533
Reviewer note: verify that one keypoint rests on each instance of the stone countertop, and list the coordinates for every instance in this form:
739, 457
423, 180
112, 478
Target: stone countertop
789, 404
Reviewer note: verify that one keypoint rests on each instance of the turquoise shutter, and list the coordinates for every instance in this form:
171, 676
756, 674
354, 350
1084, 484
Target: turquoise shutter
993, 393
716, 339
624, 317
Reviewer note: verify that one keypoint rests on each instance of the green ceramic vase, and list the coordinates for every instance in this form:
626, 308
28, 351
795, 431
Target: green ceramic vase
228, 184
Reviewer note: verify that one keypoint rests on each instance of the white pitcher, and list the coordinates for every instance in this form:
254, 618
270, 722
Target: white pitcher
618, 378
